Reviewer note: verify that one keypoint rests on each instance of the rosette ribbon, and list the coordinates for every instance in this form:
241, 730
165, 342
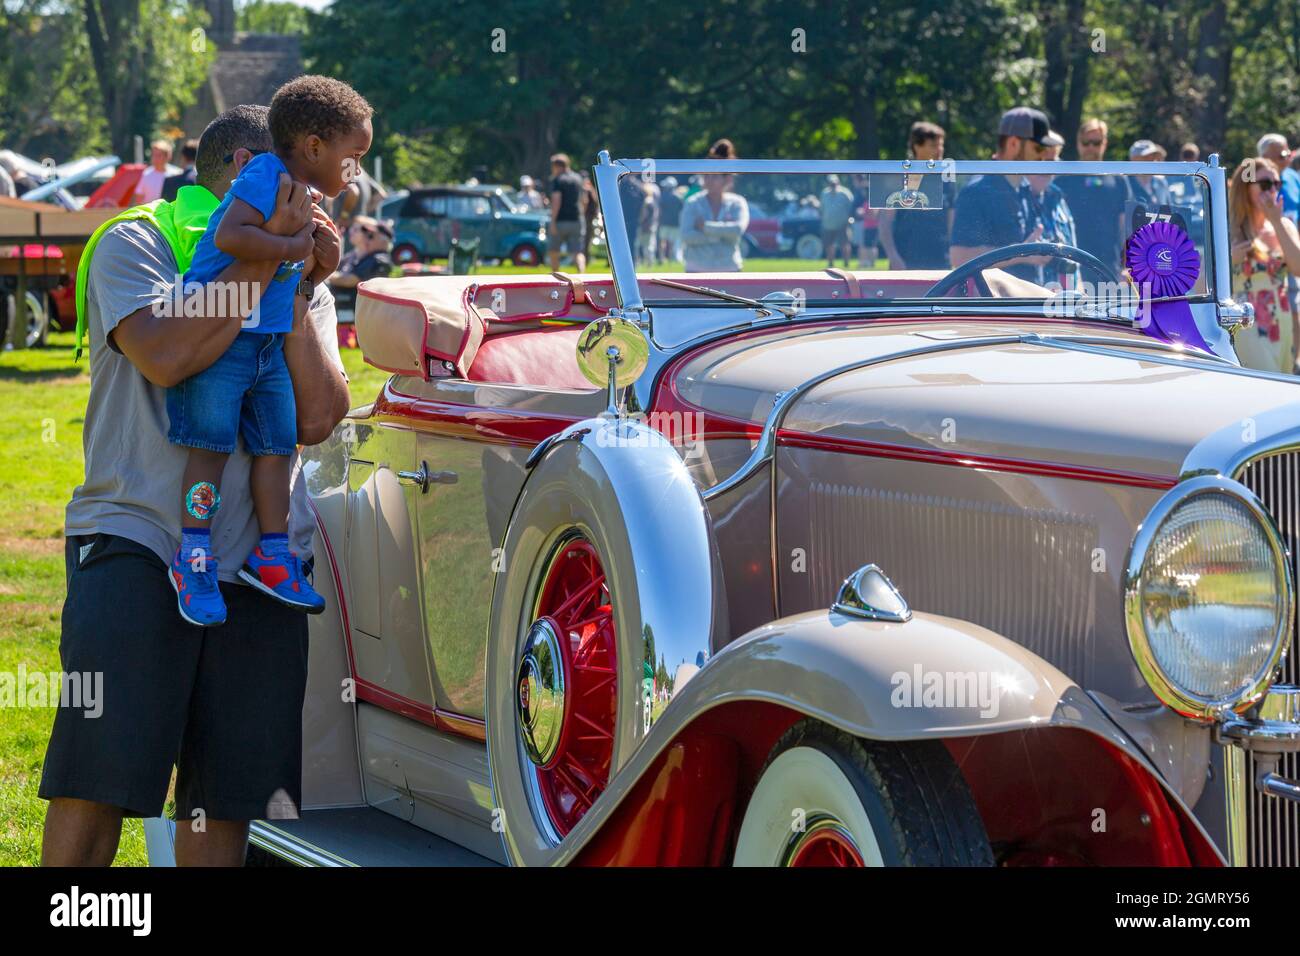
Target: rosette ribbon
1162, 260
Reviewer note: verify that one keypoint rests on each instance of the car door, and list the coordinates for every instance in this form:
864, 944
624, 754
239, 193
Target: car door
433, 215
473, 215
472, 440
458, 538
387, 626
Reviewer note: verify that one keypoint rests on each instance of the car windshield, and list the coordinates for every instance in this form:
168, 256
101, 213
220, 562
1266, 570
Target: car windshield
1063, 233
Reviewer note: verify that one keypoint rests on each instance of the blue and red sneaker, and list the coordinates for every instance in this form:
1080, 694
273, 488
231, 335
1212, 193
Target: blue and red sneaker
275, 570
197, 595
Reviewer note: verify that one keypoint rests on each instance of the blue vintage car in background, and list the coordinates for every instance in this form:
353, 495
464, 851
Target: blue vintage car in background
427, 219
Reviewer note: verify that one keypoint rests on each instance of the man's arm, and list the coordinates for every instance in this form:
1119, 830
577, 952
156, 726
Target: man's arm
241, 234
960, 255
886, 234
319, 387
166, 349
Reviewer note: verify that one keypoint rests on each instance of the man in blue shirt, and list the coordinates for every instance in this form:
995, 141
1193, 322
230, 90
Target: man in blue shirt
994, 211
1274, 146
1105, 198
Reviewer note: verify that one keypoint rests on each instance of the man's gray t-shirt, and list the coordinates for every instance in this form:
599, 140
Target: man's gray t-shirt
133, 474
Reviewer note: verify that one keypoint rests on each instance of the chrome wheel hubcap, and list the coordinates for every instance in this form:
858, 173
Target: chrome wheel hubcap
540, 694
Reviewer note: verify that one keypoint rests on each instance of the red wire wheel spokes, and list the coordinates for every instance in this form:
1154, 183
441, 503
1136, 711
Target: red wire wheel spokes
828, 845
575, 598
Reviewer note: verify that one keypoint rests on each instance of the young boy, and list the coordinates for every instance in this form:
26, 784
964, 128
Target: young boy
321, 129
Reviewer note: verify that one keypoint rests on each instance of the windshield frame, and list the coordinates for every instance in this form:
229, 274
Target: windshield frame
607, 172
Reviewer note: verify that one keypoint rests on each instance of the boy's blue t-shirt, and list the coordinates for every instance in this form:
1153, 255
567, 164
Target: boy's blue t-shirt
257, 184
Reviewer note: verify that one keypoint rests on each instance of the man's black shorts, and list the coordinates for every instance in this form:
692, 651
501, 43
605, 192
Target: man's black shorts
222, 704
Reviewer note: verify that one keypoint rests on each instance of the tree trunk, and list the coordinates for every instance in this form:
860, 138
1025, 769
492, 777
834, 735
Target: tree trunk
1213, 74
866, 124
1067, 54
112, 30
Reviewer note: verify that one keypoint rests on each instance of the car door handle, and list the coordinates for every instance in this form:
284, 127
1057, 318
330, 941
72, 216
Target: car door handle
424, 477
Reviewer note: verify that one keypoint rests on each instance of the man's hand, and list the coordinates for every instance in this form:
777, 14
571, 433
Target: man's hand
293, 208
327, 249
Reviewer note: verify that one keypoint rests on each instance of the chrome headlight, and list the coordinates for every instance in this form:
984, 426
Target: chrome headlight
1207, 598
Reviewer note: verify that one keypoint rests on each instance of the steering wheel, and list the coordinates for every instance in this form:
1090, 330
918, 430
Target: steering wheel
974, 268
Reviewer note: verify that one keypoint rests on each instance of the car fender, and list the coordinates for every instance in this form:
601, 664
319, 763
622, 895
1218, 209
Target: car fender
872, 679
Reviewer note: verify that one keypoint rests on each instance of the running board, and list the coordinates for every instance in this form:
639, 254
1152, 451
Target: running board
357, 836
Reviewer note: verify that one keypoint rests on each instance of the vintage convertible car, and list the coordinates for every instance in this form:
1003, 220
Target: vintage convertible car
828, 568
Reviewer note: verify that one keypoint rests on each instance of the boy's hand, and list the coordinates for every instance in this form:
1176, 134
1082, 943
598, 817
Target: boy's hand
327, 247
293, 209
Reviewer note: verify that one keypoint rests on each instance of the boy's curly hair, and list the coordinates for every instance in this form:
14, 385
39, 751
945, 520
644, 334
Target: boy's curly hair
315, 104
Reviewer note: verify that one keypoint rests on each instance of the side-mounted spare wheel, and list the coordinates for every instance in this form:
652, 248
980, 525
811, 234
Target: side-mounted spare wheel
604, 603
827, 798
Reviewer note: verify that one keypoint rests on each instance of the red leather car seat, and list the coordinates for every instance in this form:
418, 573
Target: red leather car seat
546, 356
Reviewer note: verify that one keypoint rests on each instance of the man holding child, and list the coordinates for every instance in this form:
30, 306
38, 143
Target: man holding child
221, 703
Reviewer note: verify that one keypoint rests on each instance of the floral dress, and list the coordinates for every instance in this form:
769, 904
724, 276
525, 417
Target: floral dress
1268, 344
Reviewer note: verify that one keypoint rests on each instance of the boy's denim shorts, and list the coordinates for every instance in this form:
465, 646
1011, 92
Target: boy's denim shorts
247, 391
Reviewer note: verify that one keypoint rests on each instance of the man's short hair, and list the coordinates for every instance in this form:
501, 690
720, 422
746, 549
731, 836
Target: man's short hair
315, 104
244, 127
1094, 122
923, 132
560, 159
190, 151
163, 144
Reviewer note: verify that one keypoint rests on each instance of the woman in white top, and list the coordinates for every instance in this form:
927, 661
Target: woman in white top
714, 220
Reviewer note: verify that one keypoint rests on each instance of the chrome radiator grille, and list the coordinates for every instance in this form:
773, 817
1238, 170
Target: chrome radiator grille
1272, 825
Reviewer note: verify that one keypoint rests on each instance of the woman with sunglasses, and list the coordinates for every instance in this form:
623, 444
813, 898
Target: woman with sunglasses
1265, 260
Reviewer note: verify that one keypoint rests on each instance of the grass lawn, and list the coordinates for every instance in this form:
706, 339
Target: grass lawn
42, 401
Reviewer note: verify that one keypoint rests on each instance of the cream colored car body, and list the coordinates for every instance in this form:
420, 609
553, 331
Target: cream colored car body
999, 484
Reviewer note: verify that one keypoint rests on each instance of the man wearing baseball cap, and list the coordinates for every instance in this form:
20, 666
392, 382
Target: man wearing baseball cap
1150, 191
993, 211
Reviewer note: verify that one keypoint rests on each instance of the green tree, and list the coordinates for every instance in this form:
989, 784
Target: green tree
149, 57
48, 97
271, 16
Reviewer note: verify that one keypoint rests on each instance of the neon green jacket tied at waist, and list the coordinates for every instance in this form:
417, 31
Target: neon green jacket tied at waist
181, 223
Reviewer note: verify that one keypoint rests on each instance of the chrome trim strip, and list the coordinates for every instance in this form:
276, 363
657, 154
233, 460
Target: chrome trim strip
1230, 449
294, 849
1101, 345
621, 261
959, 167
1235, 789
1217, 213
765, 449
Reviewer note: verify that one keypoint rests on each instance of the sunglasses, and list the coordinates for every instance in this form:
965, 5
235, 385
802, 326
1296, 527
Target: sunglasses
1091, 142
1267, 185
230, 158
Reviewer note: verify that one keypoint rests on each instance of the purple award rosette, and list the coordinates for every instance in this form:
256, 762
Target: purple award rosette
1163, 262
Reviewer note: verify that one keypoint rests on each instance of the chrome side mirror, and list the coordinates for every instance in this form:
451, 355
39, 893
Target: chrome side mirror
1235, 315
613, 352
